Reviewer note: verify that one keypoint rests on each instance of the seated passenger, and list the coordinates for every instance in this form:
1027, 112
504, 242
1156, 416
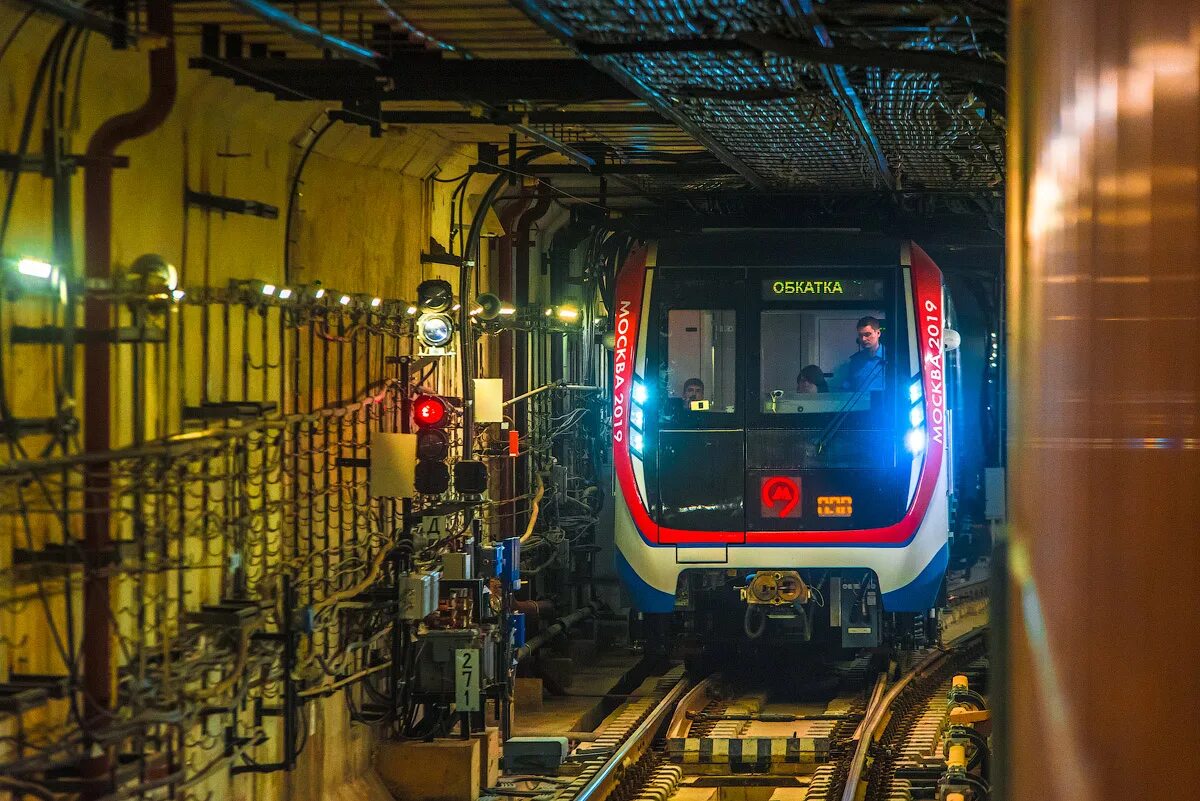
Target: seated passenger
864, 369
811, 380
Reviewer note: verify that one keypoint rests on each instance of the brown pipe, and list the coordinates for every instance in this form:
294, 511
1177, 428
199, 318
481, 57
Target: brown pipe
521, 368
504, 287
535, 612
98, 670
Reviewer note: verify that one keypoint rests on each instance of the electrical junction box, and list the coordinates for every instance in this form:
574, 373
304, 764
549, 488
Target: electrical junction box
489, 400
860, 614
457, 566
534, 754
435, 665
418, 595
393, 465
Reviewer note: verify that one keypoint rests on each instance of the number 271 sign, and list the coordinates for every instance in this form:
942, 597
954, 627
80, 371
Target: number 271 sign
466, 679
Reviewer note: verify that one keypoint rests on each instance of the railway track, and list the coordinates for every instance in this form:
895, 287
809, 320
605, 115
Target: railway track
683, 739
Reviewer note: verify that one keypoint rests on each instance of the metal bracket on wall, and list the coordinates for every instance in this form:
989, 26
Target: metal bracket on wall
231, 205
53, 334
27, 163
441, 258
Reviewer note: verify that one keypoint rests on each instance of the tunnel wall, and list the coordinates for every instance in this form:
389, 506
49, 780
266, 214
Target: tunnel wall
1104, 295
367, 211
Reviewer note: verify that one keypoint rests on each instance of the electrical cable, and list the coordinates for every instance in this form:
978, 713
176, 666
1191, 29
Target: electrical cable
293, 192
12, 35
39, 79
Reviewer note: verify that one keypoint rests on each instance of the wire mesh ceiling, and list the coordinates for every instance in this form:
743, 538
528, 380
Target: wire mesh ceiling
798, 123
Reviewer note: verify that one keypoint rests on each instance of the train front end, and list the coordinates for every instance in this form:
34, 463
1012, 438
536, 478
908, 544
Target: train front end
781, 431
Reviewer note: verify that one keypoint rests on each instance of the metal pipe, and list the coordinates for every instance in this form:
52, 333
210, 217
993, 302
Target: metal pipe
85, 18
509, 217
552, 385
298, 29
398, 22
554, 144
97, 636
843, 90
563, 624
470, 255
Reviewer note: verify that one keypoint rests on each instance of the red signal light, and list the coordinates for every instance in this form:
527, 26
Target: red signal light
429, 411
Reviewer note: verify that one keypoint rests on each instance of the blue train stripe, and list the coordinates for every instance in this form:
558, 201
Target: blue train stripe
645, 597
920, 594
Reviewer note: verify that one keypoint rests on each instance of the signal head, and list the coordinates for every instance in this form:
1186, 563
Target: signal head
435, 330
431, 478
429, 411
435, 295
432, 443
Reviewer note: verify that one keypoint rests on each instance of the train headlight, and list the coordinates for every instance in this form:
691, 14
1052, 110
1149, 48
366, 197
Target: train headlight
636, 442
914, 390
914, 441
637, 417
435, 330
916, 416
640, 394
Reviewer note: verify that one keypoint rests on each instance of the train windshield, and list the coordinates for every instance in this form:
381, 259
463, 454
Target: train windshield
823, 361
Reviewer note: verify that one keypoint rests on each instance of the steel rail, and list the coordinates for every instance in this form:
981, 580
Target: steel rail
598, 785
877, 712
680, 722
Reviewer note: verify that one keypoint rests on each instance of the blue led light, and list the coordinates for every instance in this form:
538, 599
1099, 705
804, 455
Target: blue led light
916, 416
640, 394
915, 440
636, 417
636, 442
914, 391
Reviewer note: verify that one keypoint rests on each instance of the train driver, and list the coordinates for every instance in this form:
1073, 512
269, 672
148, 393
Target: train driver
811, 380
693, 390
864, 369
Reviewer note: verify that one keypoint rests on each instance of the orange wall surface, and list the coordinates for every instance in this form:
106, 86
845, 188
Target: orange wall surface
1104, 300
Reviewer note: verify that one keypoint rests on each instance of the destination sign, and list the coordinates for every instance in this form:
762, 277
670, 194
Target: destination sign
813, 288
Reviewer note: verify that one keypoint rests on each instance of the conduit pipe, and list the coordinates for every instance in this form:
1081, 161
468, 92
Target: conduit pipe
504, 286
470, 255
522, 369
304, 32
559, 626
98, 672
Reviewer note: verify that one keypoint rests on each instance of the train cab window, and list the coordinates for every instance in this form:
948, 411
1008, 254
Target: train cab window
699, 364
822, 361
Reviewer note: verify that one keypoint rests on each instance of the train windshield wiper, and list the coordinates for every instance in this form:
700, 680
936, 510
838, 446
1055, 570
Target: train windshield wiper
843, 413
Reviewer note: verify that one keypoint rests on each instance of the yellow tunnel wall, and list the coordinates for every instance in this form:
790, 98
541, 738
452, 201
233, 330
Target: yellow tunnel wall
367, 210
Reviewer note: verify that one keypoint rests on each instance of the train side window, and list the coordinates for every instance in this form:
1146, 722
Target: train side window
699, 359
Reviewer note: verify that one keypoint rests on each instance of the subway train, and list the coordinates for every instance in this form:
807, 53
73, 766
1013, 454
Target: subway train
782, 432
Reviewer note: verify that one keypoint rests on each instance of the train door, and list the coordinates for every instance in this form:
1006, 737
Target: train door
696, 348
821, 410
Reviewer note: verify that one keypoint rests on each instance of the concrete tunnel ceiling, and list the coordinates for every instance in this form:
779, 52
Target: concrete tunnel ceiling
671, 105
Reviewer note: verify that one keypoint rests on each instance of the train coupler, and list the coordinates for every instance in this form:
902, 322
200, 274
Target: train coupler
775, 588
